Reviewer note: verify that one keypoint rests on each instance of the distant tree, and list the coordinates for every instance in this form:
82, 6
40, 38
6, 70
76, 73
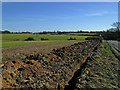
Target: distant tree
6, 32
112, 30
44, 32
116, 25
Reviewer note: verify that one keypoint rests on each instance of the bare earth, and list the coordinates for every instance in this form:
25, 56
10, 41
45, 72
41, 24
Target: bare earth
20, 52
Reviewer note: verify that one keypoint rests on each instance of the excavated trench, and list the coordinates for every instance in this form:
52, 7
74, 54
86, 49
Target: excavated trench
72, 82
53, 70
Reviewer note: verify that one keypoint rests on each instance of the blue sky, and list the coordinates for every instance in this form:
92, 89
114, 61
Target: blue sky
62, 16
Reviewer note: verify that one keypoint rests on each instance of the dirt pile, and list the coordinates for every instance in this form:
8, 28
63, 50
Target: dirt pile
52, 70
20, 52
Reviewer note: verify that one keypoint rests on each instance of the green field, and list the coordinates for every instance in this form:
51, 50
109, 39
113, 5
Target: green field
9, 40
84, 33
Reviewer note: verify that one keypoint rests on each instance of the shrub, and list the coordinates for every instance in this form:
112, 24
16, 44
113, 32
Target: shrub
92, 38
44, 39
72, 38
29, 39
17, 39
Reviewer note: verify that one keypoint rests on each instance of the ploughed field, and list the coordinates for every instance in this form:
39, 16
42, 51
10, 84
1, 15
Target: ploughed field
48, 63
15, 46
52, 70
12, 40
20, 52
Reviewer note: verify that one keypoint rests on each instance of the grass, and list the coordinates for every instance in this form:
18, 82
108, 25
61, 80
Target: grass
6, 44
38, 37
106, 65
106, 50
109, 51
84, 33
9, 40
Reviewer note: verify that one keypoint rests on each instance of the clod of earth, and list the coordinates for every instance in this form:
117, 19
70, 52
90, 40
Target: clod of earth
53, 70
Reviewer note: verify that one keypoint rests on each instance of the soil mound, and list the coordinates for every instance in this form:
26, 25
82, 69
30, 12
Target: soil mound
52, 70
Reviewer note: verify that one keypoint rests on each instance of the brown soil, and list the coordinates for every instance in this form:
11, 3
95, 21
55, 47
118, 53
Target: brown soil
47, 71
20, 52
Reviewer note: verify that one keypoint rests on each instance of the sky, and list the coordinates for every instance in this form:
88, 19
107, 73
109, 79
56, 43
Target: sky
60, 0
58, 16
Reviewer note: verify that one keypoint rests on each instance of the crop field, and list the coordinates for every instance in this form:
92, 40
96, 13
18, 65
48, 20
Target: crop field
11, 40
84, 33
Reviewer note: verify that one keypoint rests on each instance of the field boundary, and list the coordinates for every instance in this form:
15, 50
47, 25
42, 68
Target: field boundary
114, 51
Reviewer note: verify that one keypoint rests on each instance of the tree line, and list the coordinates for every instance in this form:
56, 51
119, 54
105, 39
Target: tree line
112, 33
46, 32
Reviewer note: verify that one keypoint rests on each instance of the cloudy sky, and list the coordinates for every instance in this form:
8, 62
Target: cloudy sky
65, 16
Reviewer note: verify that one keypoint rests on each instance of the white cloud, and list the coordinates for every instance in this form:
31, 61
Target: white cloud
96, 14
